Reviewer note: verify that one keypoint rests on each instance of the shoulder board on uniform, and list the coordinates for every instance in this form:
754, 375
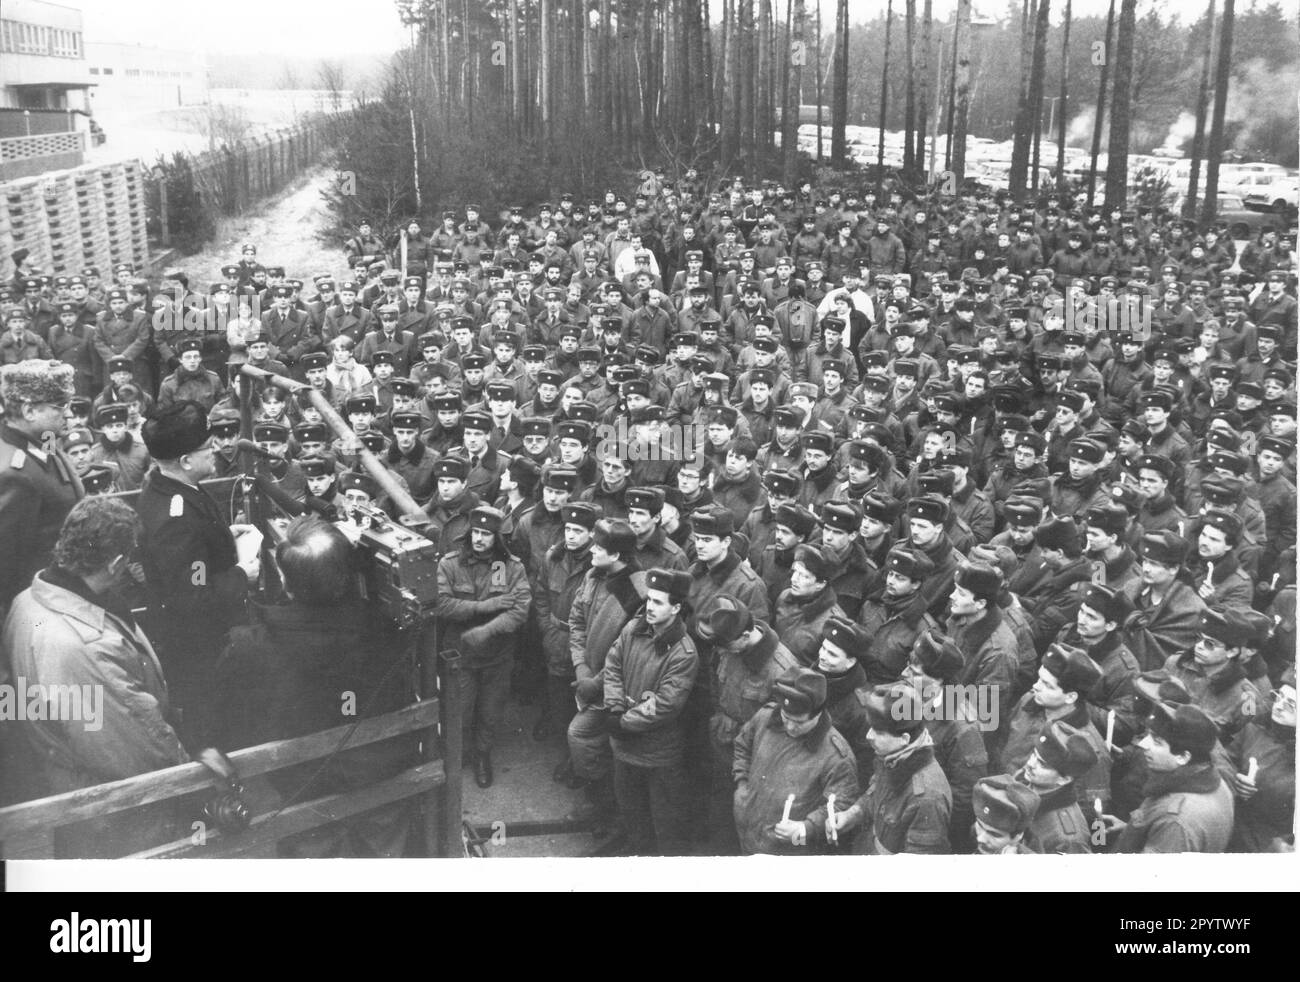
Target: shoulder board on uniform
177, 507
18, 459
1066, 818
840, 744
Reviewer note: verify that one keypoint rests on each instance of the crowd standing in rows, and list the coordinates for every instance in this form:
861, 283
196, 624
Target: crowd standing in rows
814, 522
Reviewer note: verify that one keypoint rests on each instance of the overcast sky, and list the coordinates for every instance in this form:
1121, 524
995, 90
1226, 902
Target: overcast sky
302, 27
330, 27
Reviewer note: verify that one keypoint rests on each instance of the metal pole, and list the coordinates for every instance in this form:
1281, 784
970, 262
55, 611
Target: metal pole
373, 467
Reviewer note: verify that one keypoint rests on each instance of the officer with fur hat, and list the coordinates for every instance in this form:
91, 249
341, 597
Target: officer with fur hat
610, 595
650, 673
561, 571
933, 667
908, 805
197, 582
895, 614
987, 643
1213, 673
1053, 599
38, 483
804, 607
1167, 611
854, 575
1065, 678
1004, 809
1063, 756
1096, 630
789, 763
1186, 806
483, 598
750, 658
926, 518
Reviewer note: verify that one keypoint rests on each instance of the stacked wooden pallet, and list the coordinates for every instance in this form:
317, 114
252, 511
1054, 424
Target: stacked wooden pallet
137, 204
93, 211
28, 225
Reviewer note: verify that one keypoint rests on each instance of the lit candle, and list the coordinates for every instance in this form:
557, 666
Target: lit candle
830, 817
789, 803
1252, 770
1110, 729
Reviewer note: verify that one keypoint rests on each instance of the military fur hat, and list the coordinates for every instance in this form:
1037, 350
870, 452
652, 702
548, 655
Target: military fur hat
35, 381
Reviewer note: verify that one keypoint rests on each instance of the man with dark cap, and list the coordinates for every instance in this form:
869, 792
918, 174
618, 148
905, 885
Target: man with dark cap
1159, 511
803, 608
410, 457
1186, 806
198, 574
1216, 570
719, 567
759, 526
1263, 784
986, 641
853, 575
1114, 563
954, 723
653, 547
1063, 756
483, 598
895, 614
559, 575
610, 595
449, 508
1004, 809
1213, 674
484, 464
908, 805
844, 651
649, 675
1096, 630
750, 658
1167, 611
1065, 678
794, 774
1052, 600
38, 482
791, 528
926, 517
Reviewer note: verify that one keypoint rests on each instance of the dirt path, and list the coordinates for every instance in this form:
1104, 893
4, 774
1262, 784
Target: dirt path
283, 230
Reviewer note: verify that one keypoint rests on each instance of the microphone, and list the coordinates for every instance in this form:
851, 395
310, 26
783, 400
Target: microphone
253, 448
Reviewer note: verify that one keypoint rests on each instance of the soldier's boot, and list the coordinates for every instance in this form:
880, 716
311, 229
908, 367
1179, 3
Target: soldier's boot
483, 769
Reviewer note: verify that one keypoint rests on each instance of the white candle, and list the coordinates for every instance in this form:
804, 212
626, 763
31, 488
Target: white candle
789, 803
1096, 805
1252, 770
830, 817
1110, 729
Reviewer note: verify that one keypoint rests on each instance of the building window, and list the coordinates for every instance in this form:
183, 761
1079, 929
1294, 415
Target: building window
94, 71
108, 71
133, 73
33, 39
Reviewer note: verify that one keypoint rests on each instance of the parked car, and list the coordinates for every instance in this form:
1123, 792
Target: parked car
1242, 222
1277, 192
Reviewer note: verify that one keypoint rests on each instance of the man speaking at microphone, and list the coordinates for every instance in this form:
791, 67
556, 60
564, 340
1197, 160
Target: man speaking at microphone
198, 577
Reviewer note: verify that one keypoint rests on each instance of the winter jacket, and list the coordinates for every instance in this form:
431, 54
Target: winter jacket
770, 767
649, 676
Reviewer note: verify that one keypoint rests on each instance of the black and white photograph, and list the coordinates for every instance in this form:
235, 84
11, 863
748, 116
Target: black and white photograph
637, 435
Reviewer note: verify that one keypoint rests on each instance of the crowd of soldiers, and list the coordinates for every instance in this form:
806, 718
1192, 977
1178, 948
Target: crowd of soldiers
813, 522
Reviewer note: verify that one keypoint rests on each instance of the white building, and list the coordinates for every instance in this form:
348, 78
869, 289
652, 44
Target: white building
136, 77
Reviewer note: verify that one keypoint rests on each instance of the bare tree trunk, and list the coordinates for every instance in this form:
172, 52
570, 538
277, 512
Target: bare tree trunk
1101, 103
818, 69
1121, 109
763, 83
1060, 109
729, 90
923, 89
909, 104
1222, 79
884, 103
963, 92
1023, 135
745, 77
790, 124
1202, 105
1036, 79
952, 97
840, 84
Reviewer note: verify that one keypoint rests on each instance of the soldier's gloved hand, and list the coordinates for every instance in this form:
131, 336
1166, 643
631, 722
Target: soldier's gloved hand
589, 690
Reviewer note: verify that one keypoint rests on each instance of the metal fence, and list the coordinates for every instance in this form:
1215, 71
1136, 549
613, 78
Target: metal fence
235, 176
